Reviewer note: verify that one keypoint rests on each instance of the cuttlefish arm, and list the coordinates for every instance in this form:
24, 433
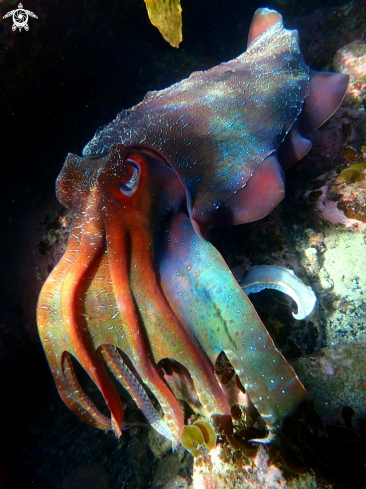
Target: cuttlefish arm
284, 280
87, 309
62, 333
209, 302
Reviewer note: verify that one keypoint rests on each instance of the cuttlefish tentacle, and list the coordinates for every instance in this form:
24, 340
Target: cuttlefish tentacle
124, 375
175, 341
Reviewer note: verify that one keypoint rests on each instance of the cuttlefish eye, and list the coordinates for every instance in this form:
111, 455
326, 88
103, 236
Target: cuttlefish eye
129, 188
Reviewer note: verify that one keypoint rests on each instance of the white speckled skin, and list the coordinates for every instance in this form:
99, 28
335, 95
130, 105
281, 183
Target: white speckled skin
280, 278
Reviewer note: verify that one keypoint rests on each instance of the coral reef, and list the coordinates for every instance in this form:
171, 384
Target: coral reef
340, 201
231, 470
351, 59
337, 193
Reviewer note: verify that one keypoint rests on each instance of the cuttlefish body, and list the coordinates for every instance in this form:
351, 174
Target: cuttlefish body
139, 282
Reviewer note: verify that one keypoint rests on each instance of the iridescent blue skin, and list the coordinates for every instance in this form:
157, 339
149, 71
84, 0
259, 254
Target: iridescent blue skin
207, 299
138, 283
136, 277
217, 127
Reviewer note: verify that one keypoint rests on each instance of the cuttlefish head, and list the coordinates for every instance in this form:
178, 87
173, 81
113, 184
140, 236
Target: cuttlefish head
118, 201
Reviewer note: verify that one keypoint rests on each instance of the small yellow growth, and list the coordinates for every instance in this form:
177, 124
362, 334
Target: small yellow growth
166, 15
208, 433
351, 174
192, 439
359, 166
199, 434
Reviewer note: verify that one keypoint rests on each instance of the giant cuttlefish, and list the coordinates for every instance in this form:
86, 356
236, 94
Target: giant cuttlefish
140, 282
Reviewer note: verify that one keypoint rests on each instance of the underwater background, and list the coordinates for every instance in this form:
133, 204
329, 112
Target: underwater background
82, 62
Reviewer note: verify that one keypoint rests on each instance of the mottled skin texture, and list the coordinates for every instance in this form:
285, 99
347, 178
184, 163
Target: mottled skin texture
138, 283
136, 275
229, 118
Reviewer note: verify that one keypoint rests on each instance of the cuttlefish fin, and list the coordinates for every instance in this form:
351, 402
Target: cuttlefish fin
263, 19
261, 194
326, 92
264, 190
293, 148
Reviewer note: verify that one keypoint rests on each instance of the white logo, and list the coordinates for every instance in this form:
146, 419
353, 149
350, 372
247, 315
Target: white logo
20, 18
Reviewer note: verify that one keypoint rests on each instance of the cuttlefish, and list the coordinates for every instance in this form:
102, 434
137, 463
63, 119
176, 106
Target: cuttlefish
140, 284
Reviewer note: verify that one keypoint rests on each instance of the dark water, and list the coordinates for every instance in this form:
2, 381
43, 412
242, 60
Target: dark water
78, 65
